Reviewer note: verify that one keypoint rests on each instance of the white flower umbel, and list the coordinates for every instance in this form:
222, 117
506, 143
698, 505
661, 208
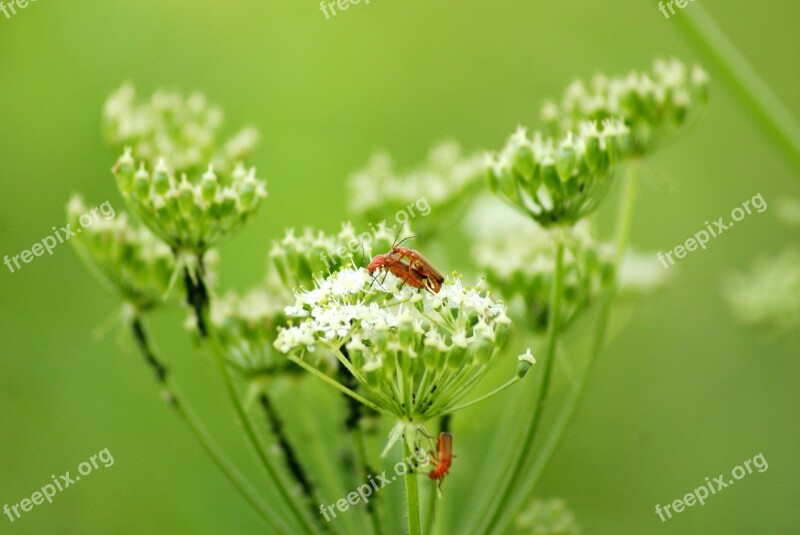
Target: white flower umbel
520, 265
176, 173
414, 353
426, 193
654, 105
128, 256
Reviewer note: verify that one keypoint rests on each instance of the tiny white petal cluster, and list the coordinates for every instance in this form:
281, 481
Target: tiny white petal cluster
394, 335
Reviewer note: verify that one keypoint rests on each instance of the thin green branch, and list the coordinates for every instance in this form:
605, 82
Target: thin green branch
197, 297
487, 395
748, 87
335, 384
174, 400
625, 217
412, 494
514, 471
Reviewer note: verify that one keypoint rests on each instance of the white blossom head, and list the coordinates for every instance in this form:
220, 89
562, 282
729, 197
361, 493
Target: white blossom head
127, 256
424, 196
414, 353
188, 186
654, 105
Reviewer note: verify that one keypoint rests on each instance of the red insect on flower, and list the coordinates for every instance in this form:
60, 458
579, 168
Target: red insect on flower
443, 457
409, 266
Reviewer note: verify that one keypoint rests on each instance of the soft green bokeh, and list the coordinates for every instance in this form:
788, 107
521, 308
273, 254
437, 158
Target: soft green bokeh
681, 393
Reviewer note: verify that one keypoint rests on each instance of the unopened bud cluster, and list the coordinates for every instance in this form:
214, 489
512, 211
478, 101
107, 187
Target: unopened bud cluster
558, 181
653, 105
136, 263
176, 174
416, 354
190, 213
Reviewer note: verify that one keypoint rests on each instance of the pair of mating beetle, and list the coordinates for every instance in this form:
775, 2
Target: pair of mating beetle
409, 266
413, 269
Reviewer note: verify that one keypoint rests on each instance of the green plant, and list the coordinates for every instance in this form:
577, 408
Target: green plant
390, 364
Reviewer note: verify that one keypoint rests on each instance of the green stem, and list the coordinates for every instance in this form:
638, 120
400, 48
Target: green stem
375, 509
412, 494
197, 297
341, 388
352, 424
290, 457
431, 518
748, 87
553, 438
485, 396
514, 471
175, 401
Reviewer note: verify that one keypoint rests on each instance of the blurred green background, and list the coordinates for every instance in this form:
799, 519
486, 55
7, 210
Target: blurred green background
681, 393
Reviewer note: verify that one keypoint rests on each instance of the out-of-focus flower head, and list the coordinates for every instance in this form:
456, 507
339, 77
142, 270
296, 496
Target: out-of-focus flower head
769, 295
547, 517
127, 256
654, 105
425, 195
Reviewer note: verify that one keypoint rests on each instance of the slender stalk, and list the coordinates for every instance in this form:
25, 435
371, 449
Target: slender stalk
197, 297
553, 438
290, 458
748, 87
312, 370
486, 396
352, 425
431, 518
174, 400
375, 507
514, 472
412, 494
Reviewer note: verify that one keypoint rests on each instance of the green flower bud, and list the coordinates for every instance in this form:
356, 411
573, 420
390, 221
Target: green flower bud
566, 159
162, 181
209, 185
141, 185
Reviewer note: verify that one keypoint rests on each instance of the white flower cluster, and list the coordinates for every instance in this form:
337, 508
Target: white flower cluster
136, 263
520, 264
184, 130
417, 353
653, 105
247, 326
445, 178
